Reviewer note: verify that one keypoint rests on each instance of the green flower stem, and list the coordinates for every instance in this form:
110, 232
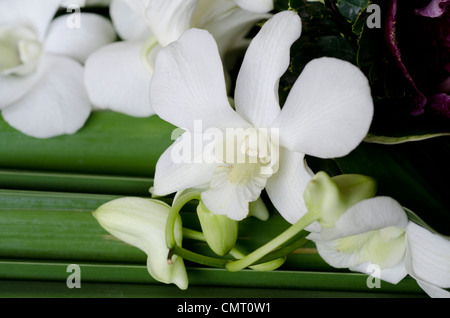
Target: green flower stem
287, 249
197, 258
236, 253
276, 258
178, 203
287, 235
146, 49
193, 235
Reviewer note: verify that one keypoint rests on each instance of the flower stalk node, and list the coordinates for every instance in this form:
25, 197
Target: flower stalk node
169, 256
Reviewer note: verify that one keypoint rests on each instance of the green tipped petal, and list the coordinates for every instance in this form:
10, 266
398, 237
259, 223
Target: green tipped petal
219, 230
331, 197
355, 187
258, 209
141, 223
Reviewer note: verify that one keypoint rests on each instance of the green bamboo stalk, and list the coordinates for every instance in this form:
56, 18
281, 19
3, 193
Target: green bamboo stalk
130, 273
41, 233
74, 182
52, 225
109, 143
51, 289
43, 201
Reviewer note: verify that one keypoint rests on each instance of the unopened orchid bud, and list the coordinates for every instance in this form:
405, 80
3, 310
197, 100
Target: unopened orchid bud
330, 197
220, 231
141, 223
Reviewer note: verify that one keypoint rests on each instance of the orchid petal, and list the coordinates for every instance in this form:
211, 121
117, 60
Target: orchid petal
57, 104
68, 3
353, 251
116, 79
258, 209
85, 3
328, 111
392, 275
141, 223
78, 43
230, 197
372, 231
12, 88
181, 167
265, 61
256, 5
368, 215
225, 21
130, 25
432, 290
188, 84
167, 19
285, 188
35, 14
428, 256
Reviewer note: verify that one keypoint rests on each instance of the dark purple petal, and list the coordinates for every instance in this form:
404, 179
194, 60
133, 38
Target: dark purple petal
440, 104
391, 39
434, 9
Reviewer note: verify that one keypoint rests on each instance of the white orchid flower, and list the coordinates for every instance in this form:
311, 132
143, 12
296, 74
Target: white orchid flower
428, 260
371, 232
42, 90
141, 223
116, 75
374, 235
376, 232
327, 114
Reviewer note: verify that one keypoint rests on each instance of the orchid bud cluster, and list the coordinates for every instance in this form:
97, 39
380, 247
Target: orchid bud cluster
351, 227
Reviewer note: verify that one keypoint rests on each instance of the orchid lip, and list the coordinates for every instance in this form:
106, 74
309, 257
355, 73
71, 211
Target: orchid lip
230, 147
21, 50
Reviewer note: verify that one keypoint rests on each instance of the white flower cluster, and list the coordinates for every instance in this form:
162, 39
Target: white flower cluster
327, 114
167, 57
42, 91
56, 68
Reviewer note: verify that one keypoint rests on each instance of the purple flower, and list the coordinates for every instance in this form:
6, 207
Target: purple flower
435, 9
418, 36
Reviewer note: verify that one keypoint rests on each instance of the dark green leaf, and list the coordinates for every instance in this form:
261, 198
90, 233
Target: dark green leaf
351, 9
324, 33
